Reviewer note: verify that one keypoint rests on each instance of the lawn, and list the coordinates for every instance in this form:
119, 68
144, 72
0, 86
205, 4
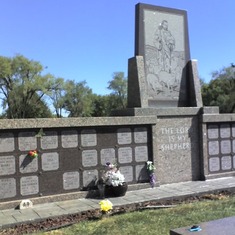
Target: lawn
157, 221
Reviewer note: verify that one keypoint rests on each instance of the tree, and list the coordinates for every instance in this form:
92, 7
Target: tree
23, 87
118, 85
77, 99
220, 91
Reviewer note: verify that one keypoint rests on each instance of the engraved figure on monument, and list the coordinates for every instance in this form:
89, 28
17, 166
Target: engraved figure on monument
164, 59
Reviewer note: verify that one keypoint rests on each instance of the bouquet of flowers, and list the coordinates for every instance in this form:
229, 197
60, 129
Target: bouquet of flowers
150, 169
113, 176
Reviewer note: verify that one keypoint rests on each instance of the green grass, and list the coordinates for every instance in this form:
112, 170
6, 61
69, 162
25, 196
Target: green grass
157, 222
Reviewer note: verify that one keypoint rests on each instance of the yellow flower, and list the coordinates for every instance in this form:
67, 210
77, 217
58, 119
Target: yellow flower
106, 205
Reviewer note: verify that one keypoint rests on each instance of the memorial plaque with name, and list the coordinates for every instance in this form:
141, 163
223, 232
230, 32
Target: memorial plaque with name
233, 130
88, 138
127, 171
28, 164
7, 165
125, 155
27, 141
107, 155
140, 135
234, 161
214, 164
7, 143
29, 185
141, 153
225, 131
7, 188
226, 163
89, 178
213, 131
234, 145
69, 139
213, 147
225, 146
89, 158
124, 136
49, 140
141, 173
50, 161
71, 180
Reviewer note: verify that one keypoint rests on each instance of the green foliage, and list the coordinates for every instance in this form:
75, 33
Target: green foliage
118, 85
160, 221
22, 87
77, 99
220, 91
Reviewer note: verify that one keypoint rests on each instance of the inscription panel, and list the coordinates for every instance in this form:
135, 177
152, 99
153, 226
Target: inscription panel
88, 138
213, 131
127, 171
89, 158
233, 130
141, 173
141, 153
125, 155
140, 135
107, 155
69, 139
29, 185
225, 131
49, 140
89, 178
27, 141
213, 147
7, 143
214, 164
124, 136
28, 164
7, 188
50, 161
71, 180
7, 165
225, 146
234, 145
226, 163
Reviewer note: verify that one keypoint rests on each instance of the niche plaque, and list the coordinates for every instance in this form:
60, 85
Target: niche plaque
49, 140
50, 161
107, 155
28, 164
7, 143
140, 135
127, 171
213, 131
7, 165
226, 163
125, 155
71, 180
141, 173
88, 138
225, 146
214, 164
213, 147
124, 136
225, 131
29, 185
7, 188
89, 178
89, 158
27, 141
69, 139
141, 153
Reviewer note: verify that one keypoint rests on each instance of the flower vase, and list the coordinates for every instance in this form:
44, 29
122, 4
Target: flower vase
116, 191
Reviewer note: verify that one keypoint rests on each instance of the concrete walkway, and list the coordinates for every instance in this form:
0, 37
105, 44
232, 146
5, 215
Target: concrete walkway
11, 217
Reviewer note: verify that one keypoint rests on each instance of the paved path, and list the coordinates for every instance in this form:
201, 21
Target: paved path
40, 212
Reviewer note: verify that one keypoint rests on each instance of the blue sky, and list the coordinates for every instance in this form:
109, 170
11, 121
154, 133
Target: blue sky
90, 40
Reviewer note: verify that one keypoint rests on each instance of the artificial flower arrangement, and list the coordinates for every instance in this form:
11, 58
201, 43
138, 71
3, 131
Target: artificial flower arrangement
106, 206
33, 153
113, 176
151, 168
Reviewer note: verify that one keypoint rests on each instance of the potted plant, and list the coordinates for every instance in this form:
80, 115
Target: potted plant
115, 185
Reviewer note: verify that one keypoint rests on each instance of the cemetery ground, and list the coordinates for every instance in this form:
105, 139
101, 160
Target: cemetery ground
147, 218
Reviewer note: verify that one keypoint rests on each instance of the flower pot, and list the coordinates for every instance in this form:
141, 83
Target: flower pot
116, 191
